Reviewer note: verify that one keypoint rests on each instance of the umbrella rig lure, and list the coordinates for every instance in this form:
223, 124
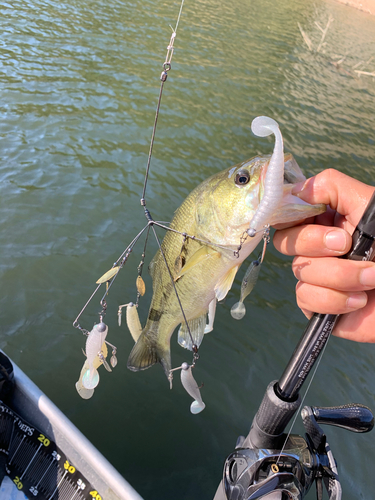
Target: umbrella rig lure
96, 347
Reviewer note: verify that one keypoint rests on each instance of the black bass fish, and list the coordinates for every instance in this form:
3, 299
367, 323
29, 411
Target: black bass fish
217, 212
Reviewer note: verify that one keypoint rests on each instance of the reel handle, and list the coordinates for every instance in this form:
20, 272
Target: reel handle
352, 417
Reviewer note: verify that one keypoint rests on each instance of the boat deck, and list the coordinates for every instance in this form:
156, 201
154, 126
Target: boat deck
48, 458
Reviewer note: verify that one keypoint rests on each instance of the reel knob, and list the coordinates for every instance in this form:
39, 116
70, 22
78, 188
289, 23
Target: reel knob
352, 417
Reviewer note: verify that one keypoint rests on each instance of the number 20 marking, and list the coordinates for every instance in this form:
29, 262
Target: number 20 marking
18, 483
42, 438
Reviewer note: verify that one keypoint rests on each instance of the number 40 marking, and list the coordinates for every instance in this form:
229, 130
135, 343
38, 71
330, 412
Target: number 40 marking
95, 495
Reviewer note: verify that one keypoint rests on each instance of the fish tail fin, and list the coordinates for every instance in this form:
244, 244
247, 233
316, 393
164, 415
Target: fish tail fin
148, 352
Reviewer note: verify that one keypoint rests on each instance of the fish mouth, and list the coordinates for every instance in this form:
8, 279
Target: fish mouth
292, 172
292, 208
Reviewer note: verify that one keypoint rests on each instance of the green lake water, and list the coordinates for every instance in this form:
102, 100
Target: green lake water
79, 82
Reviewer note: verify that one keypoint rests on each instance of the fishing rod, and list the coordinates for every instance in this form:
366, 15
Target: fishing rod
270, 465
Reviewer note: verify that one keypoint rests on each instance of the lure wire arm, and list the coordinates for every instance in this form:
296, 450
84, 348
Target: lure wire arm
141, 264
266, 240
185, 235
194, 346
119, 262
122, 259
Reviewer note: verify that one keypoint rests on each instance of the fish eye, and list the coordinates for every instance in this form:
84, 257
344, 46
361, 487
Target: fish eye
242, 178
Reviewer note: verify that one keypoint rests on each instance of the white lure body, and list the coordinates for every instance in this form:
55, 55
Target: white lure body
238, 310
192, 389
94, 344
263, 126
81, 389
132, 320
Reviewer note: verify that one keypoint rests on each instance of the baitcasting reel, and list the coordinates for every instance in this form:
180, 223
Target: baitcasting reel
253, 473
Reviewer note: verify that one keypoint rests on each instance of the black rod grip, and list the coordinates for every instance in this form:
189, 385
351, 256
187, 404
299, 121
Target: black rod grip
367, 222
273, 415
314, 338
320, 326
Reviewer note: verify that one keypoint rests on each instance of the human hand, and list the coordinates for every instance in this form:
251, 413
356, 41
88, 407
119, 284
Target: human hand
327, 284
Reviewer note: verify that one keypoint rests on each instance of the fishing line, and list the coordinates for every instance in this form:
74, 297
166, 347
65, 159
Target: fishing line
302, 400
179, 15
163, 77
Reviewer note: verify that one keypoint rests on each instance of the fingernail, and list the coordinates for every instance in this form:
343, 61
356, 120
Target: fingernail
335, 240
356, 301
367, 276
297, 188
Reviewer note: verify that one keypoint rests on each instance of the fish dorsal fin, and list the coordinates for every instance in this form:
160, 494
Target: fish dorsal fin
225, 283
196, 326
200, 255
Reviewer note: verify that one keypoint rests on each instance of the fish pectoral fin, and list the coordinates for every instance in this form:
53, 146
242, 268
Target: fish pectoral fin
148, 352
225, 283
196, 327
200, 255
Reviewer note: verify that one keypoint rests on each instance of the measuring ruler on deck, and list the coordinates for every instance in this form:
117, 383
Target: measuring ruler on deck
36, 464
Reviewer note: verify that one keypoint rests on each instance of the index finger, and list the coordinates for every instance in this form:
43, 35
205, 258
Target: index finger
347, 196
